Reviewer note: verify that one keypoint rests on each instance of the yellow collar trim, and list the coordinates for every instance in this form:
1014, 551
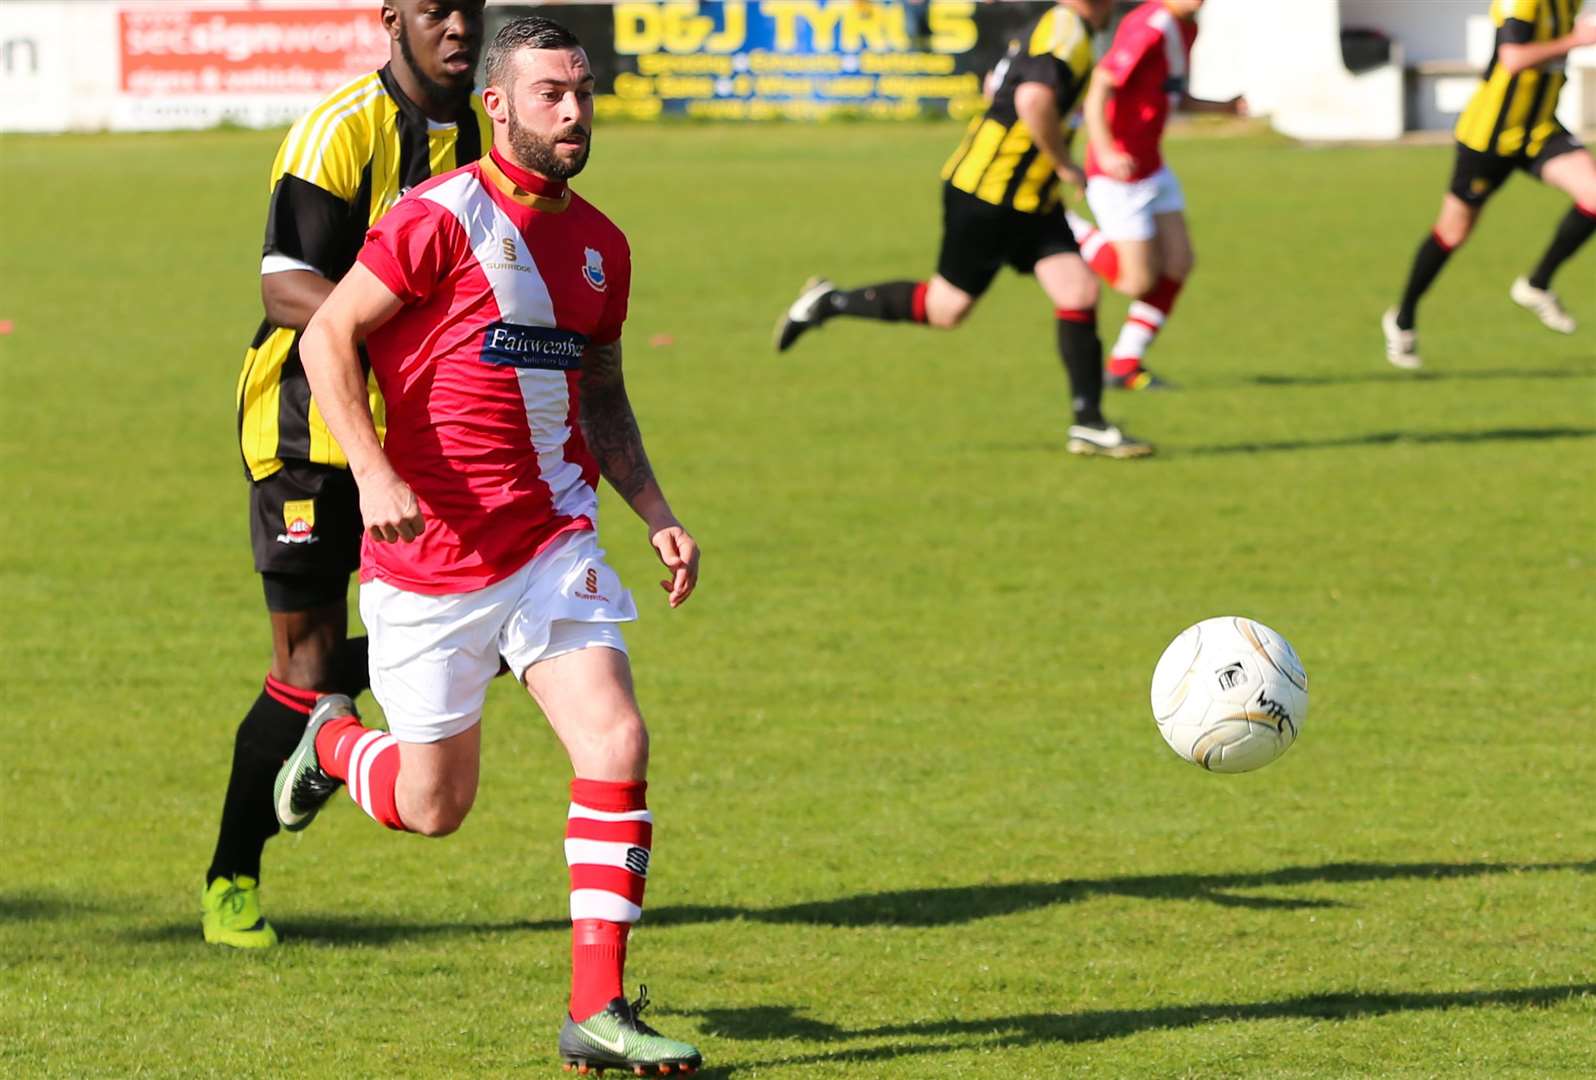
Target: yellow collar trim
517, 193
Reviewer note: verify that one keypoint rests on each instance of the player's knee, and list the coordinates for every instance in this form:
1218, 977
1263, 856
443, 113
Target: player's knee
946, 310
624, 744
441, 813
1135, 279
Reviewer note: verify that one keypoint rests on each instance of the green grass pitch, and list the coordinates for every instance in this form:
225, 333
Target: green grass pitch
914, 817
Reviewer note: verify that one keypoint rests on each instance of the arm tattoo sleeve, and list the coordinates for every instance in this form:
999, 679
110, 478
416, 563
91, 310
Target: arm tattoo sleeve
609, 425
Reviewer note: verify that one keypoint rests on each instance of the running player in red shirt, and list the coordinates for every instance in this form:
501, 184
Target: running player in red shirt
490, 301
1140, 244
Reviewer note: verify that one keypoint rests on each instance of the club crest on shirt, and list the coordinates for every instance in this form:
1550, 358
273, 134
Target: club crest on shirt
593, 269
299, 522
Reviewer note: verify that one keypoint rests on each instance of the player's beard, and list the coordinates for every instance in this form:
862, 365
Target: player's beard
540, 155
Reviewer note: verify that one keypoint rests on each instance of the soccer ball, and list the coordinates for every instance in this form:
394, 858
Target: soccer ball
1229, 694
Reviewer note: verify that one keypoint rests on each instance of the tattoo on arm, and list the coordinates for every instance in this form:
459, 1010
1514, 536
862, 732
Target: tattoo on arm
608, 424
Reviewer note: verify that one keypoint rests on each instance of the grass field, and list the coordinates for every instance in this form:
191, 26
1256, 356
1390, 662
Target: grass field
913, 816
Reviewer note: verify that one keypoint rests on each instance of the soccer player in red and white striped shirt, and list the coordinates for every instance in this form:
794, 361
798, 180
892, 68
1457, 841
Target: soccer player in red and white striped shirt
490, 301
1140, 244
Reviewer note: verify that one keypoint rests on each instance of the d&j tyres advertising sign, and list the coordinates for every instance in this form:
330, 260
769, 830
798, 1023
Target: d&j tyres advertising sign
789, 59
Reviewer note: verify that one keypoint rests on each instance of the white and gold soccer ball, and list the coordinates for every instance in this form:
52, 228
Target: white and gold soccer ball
1229, 694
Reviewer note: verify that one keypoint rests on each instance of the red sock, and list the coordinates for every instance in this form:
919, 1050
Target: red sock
301, 701
1143, 321
917, 302
367, 761
608, 836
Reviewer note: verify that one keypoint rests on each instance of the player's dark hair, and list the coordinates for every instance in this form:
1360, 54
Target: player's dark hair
529, 32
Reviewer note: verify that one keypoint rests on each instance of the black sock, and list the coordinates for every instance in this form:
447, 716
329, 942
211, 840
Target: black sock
890, 301
352, 673
1082, 352
1574, 230
1426, 265
268, 734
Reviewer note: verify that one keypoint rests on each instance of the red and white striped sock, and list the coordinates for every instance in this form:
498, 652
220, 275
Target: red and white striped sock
608, 836
1097, 249
1143, 321
367, 761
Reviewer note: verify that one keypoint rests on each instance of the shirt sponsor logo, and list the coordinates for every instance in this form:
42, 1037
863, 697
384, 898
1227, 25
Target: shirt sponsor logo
545, 348
299, 522
593, 269
590, 587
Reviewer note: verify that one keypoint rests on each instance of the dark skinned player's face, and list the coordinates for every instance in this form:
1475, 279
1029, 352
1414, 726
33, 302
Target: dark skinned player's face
441, 41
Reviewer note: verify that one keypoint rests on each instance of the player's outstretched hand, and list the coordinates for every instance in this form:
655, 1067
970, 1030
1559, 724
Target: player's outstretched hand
678, 551
1072, 177
389, 509
1585, 30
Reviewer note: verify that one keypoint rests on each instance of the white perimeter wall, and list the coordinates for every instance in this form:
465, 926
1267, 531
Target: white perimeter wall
1271, 50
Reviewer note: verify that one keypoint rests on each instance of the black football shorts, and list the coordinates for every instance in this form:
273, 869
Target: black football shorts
304, 524
979, 239
1476, 176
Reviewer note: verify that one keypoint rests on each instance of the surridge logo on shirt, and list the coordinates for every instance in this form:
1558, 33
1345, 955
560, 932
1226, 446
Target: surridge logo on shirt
299, 522
593, 269
591, 591
508, 250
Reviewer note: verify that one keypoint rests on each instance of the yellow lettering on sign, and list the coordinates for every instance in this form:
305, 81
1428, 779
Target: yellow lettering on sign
734, 33
876, 27
677, 26
952, 26
785, 13
637, 29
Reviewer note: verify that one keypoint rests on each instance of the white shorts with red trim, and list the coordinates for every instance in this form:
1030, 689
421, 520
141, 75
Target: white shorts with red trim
432, 657
1125, 209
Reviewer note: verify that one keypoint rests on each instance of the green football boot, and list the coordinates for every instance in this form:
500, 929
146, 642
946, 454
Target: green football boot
230, 914
614, 1038
302, 788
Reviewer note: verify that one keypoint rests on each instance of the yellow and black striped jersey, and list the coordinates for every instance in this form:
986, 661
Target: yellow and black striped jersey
998, 162
1511, 114
339, 169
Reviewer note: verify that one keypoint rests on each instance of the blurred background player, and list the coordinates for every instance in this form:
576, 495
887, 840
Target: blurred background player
338, 171
491, 301
1509, 124
1001, 205
1140, 244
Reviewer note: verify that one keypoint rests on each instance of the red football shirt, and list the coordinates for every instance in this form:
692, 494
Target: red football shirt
506, 278
1148, 64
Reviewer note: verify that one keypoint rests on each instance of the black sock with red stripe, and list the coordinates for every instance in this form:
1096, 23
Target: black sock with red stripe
1574, 230
890, 301
269, 732
1082, 352
1427, 264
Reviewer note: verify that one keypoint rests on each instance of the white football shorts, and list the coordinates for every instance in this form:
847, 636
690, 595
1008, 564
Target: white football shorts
432, 657
1125, 209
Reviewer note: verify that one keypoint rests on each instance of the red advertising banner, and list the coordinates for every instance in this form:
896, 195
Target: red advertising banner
180, 50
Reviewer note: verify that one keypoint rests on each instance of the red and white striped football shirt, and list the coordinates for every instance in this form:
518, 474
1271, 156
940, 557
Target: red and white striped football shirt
506, 278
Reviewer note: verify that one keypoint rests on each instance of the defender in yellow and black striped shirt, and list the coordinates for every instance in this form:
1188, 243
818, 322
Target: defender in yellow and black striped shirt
1510, 125
1001, 206
339, 169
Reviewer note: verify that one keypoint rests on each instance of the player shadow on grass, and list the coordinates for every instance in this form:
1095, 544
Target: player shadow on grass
931, 907
762, 1023
1388, 376
1391, 438
966, 903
